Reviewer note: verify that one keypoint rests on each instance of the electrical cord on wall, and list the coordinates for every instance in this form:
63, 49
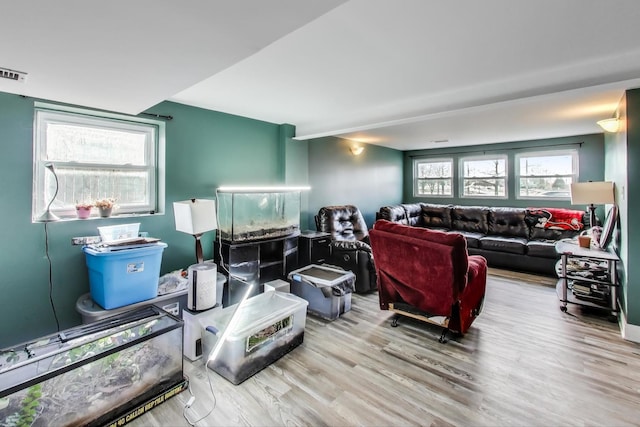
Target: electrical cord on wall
46, 251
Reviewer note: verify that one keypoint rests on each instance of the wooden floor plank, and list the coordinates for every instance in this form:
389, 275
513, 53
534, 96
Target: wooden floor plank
523, 362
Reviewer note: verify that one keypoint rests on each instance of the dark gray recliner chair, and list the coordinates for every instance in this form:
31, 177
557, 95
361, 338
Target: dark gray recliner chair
349, 247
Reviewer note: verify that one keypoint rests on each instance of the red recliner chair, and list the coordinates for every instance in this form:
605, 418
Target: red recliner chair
428, 275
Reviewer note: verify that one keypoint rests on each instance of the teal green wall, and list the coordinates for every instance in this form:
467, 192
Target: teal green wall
591, 167
622, 165
204, 149
632, 228
337, 177
296, 169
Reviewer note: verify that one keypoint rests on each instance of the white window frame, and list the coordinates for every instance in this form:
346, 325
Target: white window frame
573, 152
154, 157
417, 162
462, 178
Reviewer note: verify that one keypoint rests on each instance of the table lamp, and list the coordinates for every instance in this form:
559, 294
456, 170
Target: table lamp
195, 217
49, 216
592, 193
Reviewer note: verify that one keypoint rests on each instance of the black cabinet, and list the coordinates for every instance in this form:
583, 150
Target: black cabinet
251, 264
314, 247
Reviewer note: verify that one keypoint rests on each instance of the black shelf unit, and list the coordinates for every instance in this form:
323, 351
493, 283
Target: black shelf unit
251, 264
587, 277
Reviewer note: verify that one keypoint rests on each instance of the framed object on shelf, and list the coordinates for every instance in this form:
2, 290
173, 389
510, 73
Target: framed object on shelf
608, 227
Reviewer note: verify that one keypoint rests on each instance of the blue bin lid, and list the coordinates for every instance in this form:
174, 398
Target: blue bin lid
97, 250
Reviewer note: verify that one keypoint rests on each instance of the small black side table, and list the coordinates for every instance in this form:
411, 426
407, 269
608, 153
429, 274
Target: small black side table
313, 247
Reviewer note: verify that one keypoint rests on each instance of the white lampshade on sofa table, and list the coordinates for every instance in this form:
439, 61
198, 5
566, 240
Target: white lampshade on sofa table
196, 217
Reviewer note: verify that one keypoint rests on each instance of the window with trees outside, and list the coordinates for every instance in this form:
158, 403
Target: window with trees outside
433, 177
484, 176
546, 175
95, 156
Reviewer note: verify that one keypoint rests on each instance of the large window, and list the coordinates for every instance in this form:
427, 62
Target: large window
546, 175
93, 158
484, 176
433, 177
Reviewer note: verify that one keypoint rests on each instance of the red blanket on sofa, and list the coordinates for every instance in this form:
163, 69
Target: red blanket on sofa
557, 218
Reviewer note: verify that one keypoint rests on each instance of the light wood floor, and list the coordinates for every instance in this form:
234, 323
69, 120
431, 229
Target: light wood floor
522, 363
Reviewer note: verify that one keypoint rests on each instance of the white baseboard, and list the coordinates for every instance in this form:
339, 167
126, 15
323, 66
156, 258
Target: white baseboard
629, 332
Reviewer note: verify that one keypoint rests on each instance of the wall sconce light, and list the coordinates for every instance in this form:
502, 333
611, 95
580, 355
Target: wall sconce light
610, 125
196, 217
356, 150
49, 216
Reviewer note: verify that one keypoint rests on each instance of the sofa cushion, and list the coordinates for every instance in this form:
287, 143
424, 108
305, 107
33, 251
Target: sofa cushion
343, 222
444, 230
395, 213
542, 248
514, 245
435, 216
508, 222
473, 239
413, 212
470, 218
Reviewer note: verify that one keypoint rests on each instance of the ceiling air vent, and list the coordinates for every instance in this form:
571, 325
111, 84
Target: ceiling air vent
17, 76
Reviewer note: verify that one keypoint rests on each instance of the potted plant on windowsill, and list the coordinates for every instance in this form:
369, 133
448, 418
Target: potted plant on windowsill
105, 206
83, 210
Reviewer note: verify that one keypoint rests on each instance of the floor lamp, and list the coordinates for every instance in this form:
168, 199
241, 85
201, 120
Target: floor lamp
592, 193
196, 217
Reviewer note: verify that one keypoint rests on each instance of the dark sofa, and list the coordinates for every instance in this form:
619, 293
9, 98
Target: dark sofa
513, 238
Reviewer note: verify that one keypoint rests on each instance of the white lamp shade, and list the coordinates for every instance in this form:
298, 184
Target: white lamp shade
596, 193
195, 216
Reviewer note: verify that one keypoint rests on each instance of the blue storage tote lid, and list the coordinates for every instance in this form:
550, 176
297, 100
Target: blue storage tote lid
139, 248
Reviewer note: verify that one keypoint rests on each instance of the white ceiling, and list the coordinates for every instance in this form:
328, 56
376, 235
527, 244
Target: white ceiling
395, 73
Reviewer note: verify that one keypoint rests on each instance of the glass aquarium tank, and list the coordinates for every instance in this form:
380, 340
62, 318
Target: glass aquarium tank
94, 373
246, 214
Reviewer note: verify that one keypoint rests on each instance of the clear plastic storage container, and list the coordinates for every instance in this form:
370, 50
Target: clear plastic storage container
239, 341
328, 290
91, 312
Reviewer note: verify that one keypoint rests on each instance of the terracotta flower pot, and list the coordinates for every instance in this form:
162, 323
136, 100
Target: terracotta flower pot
83, 212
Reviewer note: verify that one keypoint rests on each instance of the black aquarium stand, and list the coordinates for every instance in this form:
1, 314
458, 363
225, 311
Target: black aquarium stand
251, 264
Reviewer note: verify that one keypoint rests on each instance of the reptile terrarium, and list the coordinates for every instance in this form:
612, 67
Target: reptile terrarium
94, 373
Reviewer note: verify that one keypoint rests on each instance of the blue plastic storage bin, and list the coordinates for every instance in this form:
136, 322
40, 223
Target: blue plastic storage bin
126, 276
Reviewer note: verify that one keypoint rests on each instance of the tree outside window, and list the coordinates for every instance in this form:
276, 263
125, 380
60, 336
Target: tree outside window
546, 175
484, 176
433, 177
